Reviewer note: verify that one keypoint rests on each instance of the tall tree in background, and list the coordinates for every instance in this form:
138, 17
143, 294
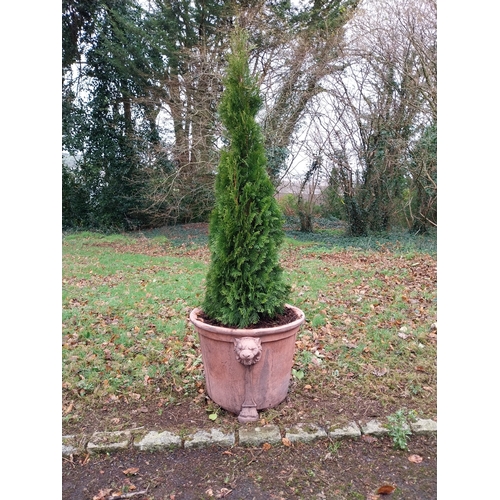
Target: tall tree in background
293, 50
140, 102
141, 85
109, 119
191, 36
421, 205
376, 113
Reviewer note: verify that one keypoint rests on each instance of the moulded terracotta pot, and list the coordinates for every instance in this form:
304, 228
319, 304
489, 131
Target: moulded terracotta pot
247, 369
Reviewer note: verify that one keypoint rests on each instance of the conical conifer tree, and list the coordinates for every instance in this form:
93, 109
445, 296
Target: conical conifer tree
245, 281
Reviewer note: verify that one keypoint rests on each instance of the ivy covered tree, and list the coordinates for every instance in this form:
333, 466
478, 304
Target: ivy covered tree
245, 281
109, 122
422, 203
375, 126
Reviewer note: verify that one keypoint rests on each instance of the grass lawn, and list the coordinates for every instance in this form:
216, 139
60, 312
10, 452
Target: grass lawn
368, 347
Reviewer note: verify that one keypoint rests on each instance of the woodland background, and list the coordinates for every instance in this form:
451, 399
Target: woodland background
349, 116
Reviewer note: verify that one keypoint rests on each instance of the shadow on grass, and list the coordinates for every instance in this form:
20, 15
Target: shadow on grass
325, 235
395, 241
181, 234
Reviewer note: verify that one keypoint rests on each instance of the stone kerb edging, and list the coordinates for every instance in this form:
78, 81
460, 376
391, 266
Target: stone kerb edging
144, 440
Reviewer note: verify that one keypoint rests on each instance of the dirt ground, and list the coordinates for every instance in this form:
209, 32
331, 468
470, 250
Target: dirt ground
351, 469
365, 468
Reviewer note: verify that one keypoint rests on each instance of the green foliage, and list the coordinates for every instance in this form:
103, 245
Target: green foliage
333, 204
399, 429
276, 162
141, 58
306, 207
288, 204
298, 374
356, 216
78, 23
377, 199
422, 205
318, 321
396, 241
244, 282
108, 124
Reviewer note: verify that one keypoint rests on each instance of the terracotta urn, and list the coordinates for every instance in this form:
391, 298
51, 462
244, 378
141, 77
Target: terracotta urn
247, 369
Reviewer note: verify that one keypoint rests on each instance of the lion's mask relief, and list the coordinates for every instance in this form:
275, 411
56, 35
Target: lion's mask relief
248, 350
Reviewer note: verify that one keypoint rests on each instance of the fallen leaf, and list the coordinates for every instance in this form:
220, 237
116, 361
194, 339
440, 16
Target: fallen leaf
223, 493
129, 485
416, 459
286, 442
378, 372
381, 372
131, 471
69, 408
386, 489
266, 446
102, 494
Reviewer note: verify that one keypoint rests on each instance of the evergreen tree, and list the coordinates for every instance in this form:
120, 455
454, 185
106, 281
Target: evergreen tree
244, 281
111, 126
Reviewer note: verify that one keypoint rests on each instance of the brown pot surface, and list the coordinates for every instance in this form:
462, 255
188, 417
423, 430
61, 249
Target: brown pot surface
247, 368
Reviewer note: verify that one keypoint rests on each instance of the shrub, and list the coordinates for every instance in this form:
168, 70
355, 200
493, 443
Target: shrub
288, 204
244, 280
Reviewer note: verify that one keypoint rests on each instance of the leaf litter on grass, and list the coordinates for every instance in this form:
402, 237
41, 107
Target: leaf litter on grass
127, 341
